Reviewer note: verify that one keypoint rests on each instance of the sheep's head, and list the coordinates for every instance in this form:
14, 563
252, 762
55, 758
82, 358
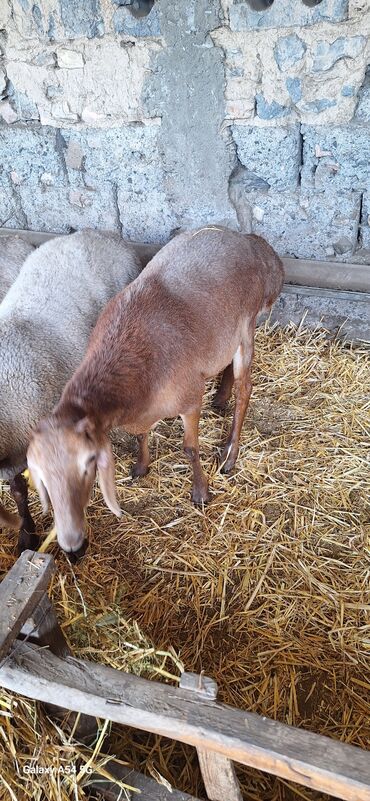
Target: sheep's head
63, 459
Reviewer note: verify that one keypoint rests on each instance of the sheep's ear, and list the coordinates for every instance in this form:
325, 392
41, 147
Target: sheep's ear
85, 426
106, 477
41, 489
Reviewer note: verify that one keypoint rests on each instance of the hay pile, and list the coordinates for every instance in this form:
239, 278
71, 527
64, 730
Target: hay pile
266, 590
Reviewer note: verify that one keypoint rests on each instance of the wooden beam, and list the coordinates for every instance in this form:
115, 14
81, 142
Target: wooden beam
150, 790
217, 771
20, 592
34, 237
304, 272
145, 251
330, 294
328, 274
326, 765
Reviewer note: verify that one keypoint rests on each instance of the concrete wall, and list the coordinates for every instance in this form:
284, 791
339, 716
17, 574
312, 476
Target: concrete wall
153, 116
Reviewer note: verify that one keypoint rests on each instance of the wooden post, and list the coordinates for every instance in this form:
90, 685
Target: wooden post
43, 627
218, 771
20, 592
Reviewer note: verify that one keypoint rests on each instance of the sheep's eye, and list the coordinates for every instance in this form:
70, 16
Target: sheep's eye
89, 462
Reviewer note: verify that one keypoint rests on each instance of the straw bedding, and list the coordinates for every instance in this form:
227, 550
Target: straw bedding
266, 590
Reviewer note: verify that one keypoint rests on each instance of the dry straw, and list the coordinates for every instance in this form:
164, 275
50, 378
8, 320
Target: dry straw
266, 590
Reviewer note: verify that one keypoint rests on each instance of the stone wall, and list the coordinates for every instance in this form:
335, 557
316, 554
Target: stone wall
152, 116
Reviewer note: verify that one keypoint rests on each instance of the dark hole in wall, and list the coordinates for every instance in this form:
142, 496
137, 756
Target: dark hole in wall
263, 5
138, 8
260, 5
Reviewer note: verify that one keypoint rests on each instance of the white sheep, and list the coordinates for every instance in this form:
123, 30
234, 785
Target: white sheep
45, 322
13, 252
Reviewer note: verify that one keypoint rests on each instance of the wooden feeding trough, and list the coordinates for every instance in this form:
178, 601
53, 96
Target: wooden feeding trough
36, 661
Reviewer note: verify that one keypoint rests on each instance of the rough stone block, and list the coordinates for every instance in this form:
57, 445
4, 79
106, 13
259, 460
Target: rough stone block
82, 18
127, 159
30, 152
348, 91
306, 225
146, 214
285, 14
321, 104
9, 209
23, 106
37, 20
115, 154
269, 110
7, 113
294, 87
363, 107
288, 51
57, 208
365, 220
69, 59
336, 157
2, 79
273, 154
4, 14
125, 22
74, 155
328, 53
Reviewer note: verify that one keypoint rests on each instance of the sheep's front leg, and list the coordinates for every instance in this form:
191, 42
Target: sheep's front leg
141, 466
199, 492
28, 539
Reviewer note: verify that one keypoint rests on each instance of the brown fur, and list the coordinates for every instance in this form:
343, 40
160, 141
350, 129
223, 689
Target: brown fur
190, 314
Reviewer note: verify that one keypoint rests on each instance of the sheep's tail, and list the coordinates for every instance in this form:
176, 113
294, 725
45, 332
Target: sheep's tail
9, 520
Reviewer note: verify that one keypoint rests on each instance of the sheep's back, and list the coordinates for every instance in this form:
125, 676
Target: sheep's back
13, 252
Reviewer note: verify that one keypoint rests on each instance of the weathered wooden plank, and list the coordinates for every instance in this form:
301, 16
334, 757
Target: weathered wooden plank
330, 294
330, 274
305, 272
331, 767
144, 250
20, 592
218, 771
199, 683
219, 776
150, 790
34, 237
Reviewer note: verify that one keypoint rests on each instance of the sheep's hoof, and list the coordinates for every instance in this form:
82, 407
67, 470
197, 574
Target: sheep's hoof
219, 405
200, 496
228, 459
28, 541
139, 470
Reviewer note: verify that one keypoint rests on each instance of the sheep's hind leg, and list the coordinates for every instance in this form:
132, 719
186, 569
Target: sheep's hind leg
28, 539
141, 466
242, 364
199, 492
225, 389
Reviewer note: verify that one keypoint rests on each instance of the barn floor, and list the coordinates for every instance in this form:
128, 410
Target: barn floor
266, 590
